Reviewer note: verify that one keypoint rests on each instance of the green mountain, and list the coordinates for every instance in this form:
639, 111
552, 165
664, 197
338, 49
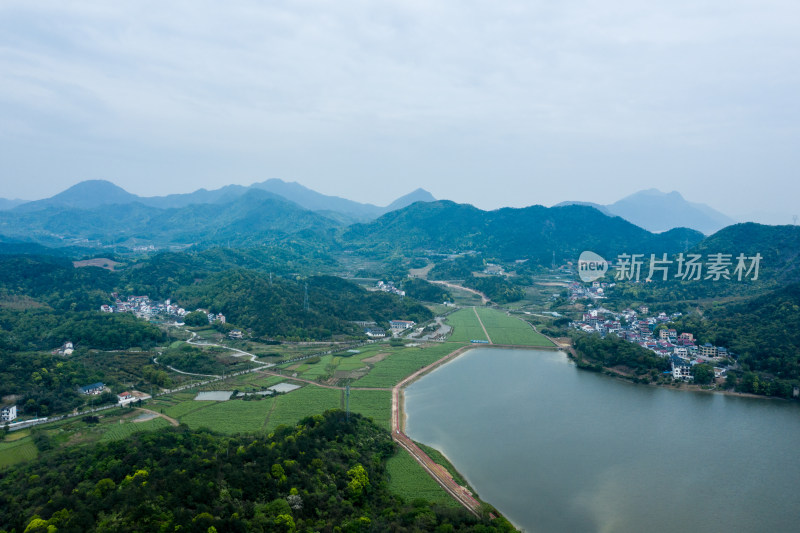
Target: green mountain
762, 332
255, 218
275, 308
534, 232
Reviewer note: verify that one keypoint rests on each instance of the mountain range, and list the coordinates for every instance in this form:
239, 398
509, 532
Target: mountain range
658, 211
92, 194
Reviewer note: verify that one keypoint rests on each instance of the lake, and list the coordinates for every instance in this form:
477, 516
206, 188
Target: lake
557, 449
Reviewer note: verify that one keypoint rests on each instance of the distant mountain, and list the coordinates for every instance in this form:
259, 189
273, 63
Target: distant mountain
200, 196
257, 217
95, 193
419, 195
6, 203
84, 195
657, 211
315, 201
534, 232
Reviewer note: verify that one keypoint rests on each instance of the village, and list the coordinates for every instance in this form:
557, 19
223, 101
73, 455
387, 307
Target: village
650, 331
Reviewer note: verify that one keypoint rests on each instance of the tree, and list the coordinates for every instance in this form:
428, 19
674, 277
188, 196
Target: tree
196, 318
703, 373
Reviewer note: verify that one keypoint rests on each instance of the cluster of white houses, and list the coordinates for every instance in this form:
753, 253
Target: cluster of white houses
397, 326
680, 348
390, 288
142, 307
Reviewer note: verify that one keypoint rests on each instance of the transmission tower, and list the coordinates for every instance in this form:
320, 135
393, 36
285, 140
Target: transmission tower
305, 299
347, 402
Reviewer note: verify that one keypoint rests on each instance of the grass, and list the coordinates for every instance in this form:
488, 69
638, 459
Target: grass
505, 329
403, 362
466, 326
410, 481
126, 429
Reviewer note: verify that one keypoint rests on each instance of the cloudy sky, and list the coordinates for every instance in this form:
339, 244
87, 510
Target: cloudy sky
492, 103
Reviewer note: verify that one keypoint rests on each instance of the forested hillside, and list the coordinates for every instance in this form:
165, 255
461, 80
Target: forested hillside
325, 473
274, 308
533, 232
763, 334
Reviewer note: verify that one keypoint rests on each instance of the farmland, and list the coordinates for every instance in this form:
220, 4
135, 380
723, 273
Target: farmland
409, 480
16, 451
125, 429
465, 326
402, 362
505, 329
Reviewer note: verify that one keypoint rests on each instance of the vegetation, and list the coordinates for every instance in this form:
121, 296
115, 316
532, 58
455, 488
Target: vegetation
760, 332
466, 326
496, 288
595, 352
274, 308
321, 474
419, 289
505, 329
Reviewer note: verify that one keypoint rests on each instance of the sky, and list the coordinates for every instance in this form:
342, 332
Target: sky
493, 103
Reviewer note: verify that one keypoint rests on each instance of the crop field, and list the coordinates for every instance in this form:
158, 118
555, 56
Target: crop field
402, 362
375, 404
504, 329
314, 370
409, 480
184, 408
310, 400
17, 451
235, 416
128, 428
466, 326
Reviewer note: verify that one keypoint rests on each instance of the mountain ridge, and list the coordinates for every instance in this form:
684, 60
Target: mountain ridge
658, 211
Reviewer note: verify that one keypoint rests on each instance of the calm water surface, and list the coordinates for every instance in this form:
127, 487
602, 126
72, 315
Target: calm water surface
561, 450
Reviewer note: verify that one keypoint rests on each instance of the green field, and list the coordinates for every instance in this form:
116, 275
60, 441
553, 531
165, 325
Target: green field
17, 451
402, 362
465, 326
234, 416
127, 428
505, 329
409, 480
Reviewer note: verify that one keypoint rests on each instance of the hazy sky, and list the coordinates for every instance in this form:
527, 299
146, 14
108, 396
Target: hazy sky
492, 103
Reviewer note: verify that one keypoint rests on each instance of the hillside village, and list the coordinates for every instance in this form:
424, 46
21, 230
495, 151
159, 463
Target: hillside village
650, 331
